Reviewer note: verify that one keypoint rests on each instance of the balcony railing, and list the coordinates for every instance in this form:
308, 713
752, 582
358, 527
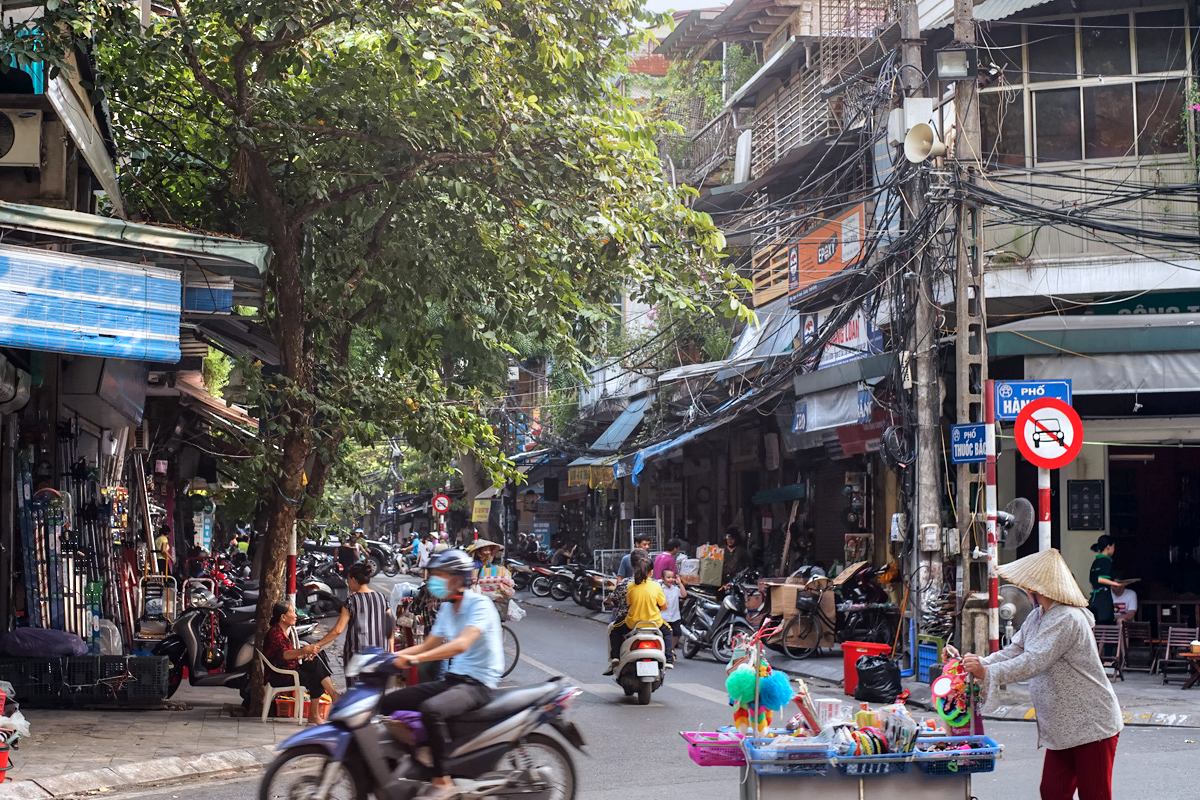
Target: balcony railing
696, 154
795, 114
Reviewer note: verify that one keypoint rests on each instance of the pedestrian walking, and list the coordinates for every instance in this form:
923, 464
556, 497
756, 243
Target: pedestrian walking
675, 593
1078, 717
1103, 581
365, 618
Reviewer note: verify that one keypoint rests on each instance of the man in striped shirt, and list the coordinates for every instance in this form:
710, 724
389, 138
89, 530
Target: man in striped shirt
365, 618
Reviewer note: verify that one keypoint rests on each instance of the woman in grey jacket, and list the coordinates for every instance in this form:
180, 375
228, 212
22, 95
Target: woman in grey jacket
1078, 717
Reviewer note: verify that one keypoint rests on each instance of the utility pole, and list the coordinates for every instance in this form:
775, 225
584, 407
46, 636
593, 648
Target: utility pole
927, 516
971, 336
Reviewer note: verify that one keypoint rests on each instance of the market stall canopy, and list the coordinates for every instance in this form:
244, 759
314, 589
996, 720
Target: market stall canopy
238, 337
633, 465
235, 418
1100, 333
617, 433
196, 256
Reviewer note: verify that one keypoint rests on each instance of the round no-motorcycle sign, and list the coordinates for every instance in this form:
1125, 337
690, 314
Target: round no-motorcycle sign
441, 503
1049, 433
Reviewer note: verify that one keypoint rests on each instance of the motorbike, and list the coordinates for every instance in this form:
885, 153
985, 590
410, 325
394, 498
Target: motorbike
714, 622
522, 573
382, 557
641, 662
498, 750
543, 581
592, 588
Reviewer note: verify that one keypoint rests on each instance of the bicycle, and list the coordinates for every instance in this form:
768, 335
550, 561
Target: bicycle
852, 621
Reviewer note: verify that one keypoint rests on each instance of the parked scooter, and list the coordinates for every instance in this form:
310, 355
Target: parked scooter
708, 622
498, 750
641, 662
543, 580
522, 573
214, 644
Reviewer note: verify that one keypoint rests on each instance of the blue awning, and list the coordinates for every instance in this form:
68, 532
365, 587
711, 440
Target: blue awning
633, 465
616, 433
66, 303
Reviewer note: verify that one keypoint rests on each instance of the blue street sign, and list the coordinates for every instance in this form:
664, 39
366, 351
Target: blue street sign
967, 443
1012, 396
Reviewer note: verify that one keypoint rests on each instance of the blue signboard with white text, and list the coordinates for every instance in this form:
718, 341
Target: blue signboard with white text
967, 443
1012, 396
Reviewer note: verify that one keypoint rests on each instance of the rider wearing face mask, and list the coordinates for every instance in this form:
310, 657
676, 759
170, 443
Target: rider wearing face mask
466, 631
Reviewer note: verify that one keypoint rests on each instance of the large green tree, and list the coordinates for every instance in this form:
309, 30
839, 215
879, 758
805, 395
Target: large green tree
399, 157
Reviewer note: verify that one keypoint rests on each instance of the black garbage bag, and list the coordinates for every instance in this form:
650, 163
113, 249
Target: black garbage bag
878, 679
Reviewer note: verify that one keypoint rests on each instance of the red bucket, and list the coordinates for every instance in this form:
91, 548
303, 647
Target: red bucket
3, 760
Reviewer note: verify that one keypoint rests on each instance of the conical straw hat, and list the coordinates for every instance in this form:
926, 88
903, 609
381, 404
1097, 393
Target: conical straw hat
1047, 574
481, 543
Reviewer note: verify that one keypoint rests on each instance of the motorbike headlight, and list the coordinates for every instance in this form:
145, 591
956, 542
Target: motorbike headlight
354, 666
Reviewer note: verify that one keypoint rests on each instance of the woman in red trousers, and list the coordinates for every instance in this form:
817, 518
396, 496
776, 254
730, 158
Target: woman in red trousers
1078, 718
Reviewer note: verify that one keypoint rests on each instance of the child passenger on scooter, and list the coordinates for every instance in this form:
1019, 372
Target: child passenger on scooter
646, 601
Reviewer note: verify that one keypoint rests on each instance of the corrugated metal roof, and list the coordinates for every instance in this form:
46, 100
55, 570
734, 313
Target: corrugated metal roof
992, 10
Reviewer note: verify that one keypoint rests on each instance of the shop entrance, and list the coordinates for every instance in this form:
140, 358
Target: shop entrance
1154, 514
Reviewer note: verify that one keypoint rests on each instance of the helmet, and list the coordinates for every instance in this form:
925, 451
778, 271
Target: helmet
456, 562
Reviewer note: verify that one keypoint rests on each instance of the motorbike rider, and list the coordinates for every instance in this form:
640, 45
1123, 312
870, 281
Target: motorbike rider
466, 631
646, 601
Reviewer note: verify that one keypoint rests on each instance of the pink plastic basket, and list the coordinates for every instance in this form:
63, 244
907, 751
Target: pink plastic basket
714, 748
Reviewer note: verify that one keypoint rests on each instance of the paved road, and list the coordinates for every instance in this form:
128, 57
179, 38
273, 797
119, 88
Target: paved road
636, 752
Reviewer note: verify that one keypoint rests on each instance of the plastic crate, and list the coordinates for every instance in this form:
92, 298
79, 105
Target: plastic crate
37, 682
715, 748
885, 764
797, 761
928, 655
980, 758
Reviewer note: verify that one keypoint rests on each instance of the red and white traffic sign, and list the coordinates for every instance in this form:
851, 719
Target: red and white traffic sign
441, 503
1049, 433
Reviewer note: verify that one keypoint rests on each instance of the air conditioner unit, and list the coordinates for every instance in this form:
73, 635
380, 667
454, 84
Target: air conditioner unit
20, 137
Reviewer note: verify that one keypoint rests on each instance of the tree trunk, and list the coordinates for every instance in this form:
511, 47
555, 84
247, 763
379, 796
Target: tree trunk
474, 482
286, 488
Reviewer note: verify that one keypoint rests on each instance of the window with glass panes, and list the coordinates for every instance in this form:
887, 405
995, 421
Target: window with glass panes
1091, 86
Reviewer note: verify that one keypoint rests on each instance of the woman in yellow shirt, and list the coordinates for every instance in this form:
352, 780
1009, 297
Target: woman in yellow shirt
645, 599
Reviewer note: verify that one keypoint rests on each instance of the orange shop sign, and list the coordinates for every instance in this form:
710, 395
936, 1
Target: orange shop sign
826, 250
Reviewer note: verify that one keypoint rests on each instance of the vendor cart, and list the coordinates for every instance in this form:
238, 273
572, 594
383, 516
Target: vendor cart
836, 786
928, 773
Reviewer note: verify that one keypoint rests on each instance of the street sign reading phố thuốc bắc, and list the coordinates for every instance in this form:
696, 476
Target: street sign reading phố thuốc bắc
968, 443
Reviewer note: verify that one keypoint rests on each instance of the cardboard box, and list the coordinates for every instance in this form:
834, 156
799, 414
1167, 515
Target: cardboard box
710, 571
783, 596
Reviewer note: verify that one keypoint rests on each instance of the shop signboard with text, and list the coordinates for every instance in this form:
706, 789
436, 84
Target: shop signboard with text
826, 250
856, 338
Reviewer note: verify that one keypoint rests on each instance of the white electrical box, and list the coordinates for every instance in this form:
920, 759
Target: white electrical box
931, 538
899, 526
20, 137
952, 541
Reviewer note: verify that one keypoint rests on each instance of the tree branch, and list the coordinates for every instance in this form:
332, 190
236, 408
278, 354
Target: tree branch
214, 88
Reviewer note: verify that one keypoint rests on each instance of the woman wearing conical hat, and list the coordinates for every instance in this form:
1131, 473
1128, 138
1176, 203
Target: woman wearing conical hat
1078, 717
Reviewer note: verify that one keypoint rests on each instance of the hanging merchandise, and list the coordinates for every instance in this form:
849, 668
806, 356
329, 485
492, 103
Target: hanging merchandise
955, 694
756, 692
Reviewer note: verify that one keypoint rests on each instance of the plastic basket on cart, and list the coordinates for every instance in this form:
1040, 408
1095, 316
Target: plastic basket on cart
796, 759
980, 758
715, 748
885, 764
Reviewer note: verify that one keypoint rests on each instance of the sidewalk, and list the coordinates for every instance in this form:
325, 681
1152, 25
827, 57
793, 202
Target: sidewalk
1144, 700
75, 752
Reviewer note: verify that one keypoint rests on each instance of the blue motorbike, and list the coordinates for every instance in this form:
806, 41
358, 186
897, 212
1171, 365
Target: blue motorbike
498, 750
